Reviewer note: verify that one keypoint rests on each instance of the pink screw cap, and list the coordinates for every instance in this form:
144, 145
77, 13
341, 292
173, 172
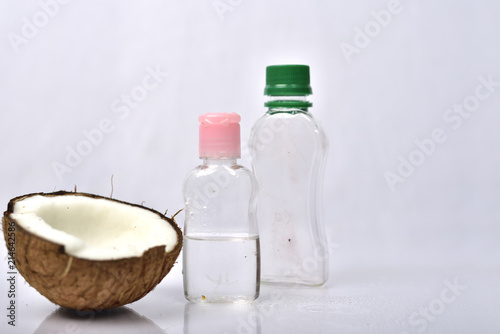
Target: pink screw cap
220, 135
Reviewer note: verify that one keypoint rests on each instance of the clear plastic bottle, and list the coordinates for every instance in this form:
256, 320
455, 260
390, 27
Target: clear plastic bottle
288, 150
221, 256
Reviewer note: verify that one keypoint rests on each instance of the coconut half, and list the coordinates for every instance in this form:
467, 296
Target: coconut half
88, 252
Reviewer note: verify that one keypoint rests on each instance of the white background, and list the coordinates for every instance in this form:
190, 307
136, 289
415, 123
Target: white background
68, 75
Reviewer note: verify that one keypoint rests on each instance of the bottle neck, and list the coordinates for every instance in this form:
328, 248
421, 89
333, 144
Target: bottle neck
287, 104
229, 161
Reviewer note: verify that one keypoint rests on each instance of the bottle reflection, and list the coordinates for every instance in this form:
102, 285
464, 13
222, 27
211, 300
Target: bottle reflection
120, 320
221, 318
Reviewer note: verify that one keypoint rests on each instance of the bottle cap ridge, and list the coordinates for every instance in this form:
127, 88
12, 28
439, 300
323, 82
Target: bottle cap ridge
219, 135
287, 80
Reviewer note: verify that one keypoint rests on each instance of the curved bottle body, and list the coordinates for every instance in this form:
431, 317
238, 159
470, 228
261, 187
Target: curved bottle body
288, 150
221, 240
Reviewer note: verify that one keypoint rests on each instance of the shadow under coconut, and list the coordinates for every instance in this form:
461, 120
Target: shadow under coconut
120, 320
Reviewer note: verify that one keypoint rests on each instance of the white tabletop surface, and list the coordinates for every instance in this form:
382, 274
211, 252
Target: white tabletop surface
373, 298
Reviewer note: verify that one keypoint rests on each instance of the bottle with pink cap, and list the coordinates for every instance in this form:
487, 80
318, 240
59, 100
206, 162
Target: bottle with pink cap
221, 256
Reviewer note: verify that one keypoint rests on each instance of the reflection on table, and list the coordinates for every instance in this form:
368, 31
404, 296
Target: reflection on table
120, 320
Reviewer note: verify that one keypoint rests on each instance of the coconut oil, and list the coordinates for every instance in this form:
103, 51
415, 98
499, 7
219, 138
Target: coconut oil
222, 269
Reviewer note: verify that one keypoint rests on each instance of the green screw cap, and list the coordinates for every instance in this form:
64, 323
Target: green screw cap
287, 80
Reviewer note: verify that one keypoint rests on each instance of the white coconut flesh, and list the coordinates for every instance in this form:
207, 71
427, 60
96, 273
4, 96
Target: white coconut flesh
94, 228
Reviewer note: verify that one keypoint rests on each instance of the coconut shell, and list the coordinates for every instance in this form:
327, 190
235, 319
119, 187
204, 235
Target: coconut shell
83, 284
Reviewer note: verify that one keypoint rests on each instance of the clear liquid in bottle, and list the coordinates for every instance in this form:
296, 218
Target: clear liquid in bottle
222, 269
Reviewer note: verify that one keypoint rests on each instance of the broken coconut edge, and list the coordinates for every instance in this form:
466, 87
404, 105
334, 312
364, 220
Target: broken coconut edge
83, 284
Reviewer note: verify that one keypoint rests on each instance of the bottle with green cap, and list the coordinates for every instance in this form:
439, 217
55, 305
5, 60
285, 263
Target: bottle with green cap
288, 150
